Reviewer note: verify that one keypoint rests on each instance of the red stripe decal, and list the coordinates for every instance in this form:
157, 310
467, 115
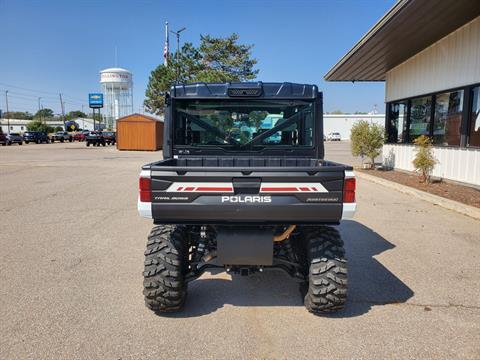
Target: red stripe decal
189, 188
314, 188
304, 189
200, 189
180, 188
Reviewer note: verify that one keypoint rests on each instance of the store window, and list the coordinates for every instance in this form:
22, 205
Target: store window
447, 120
420, 115
397, 122
474, 138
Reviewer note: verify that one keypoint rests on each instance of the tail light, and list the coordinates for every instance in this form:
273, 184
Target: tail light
145, 186
349, 190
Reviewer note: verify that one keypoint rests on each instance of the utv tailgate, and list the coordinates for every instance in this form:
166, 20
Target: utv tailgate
266, 195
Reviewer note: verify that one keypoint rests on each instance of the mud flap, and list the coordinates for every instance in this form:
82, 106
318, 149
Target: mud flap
241, 246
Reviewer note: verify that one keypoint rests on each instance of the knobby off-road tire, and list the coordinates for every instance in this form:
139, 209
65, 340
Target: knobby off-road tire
166, 263
327, 278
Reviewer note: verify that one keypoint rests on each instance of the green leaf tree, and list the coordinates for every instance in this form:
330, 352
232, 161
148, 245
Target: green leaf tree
158, 84
215, 60
43, 114
367, 140
72, 115
226, 60
37, 125
424, 161
18, 115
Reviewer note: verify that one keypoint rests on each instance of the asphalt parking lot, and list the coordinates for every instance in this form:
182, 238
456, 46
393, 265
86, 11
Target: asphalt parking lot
71, 264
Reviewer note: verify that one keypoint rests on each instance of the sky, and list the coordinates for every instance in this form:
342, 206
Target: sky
49, 47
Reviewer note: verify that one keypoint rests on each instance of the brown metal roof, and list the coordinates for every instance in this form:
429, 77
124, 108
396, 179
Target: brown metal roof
139, 116
406, 29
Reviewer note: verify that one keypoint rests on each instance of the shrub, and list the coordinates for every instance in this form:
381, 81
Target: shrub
424, 161
58, 128
37, 125
367, 140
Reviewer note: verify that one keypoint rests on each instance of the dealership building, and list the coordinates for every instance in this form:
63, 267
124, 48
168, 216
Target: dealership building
428, 55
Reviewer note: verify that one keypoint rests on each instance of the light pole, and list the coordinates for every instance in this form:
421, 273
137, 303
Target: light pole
177, 34
8, 114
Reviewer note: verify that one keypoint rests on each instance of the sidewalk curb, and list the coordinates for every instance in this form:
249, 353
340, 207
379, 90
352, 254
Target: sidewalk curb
463, 209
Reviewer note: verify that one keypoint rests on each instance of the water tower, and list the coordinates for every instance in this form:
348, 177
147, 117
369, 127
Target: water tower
117, 88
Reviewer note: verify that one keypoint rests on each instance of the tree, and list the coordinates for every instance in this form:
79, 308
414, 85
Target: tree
37, 125
158, 84
215, 60
366, 140
225, 60
75, 115
18, 115
43, 114
424, 161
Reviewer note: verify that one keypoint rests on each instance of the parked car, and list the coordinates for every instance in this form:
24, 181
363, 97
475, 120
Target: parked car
95, 138
110, 137
80, 136
334, 136
61, 136
3, 138
14, 138
35, 136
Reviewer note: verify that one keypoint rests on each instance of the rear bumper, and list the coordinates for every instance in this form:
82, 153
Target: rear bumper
251, 214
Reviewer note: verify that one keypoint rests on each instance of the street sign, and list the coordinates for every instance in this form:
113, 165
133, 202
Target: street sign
95, 100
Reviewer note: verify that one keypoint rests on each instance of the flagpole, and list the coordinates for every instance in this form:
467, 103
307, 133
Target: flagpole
166, 50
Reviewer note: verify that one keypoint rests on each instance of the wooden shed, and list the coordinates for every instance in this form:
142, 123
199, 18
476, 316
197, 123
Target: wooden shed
139, 132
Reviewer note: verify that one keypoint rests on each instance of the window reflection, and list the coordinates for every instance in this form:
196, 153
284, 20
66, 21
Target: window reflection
398, 122
474, 139
448, 118
420, 117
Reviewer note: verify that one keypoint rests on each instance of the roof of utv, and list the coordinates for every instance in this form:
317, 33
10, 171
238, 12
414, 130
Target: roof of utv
245, 90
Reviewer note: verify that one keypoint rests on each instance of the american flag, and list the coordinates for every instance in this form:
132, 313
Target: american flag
165, 49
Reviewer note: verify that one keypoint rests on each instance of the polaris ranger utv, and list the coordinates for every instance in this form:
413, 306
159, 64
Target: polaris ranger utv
243, 187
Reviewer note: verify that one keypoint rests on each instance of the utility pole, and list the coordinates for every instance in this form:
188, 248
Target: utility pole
8, 114
63, 111
40, 108
177, 34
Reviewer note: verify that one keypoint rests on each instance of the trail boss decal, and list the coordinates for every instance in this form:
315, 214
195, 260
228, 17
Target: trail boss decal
247, 199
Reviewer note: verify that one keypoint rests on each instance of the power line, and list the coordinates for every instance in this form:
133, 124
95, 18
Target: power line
45, 98
27, 89
73, 98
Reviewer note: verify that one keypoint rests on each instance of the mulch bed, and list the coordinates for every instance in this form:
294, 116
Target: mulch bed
464, 194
